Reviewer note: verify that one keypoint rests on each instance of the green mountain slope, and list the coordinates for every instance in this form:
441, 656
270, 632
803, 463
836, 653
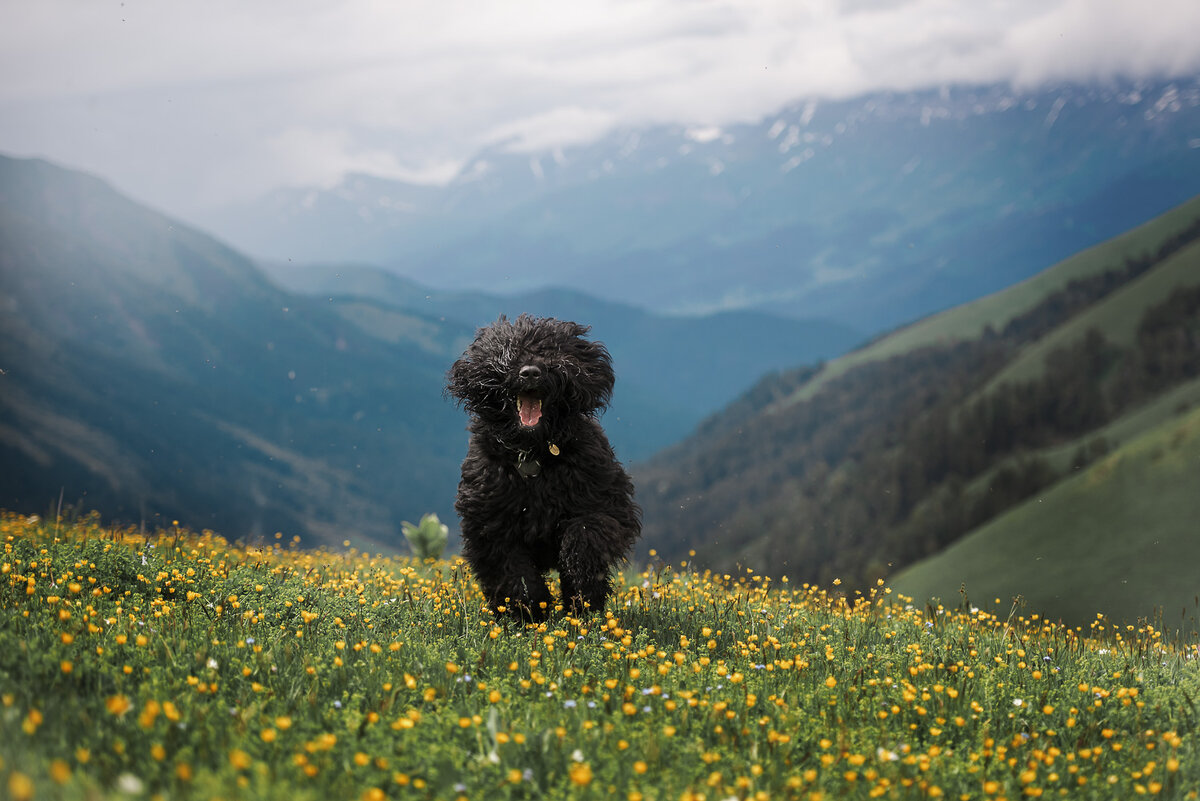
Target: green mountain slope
969, 321
1118, 314
151, 373
888, 455
1120, 537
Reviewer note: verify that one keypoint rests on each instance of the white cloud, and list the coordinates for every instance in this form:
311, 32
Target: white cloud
322, 158
561, 126
1104, 39
188, 103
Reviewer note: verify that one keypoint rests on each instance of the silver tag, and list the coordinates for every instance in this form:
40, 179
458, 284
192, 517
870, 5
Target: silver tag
528, 467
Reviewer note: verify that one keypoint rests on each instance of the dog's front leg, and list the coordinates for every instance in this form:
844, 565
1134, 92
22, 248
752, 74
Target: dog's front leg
513, 585
583, 563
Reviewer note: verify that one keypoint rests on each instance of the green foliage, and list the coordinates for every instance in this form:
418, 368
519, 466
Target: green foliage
427, 538
1086, 544
180, 666
891, 454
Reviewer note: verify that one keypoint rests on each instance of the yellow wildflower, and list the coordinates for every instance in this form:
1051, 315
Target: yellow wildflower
581, 774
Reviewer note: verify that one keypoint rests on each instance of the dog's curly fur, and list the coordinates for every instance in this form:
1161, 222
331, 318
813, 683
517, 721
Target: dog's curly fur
541, 488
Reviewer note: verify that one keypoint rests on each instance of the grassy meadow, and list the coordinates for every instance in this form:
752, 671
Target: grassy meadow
177, 664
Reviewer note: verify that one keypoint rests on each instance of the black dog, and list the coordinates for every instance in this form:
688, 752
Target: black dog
540, 488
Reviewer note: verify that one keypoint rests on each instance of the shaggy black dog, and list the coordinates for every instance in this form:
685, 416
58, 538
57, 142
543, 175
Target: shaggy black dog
541, 488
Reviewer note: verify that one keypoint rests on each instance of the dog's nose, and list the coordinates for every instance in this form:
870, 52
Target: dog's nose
531, 371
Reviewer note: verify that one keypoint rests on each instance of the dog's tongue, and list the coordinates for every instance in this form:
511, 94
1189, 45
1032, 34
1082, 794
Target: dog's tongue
529, 409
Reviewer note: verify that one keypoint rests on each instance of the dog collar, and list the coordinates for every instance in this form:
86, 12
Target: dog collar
529, 466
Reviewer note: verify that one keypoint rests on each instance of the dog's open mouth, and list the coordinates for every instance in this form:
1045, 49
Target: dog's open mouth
529, 409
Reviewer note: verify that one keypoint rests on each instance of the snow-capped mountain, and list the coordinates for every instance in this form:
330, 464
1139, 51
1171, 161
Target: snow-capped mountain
872, 211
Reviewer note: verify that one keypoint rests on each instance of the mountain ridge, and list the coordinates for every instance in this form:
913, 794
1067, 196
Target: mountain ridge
673, 371
151, 371
137, 366
871, 211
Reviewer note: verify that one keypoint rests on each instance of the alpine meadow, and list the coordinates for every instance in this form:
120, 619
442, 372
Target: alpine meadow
175, 664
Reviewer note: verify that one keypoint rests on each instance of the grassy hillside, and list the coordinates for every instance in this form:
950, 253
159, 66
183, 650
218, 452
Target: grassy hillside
177, 665
1117, 314
884, 457
1110, 539
968, 321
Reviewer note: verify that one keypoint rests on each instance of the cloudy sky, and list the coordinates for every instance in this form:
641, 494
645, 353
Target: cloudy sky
189, 104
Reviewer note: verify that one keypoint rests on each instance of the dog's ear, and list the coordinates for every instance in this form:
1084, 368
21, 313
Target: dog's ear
593, 386
457, 380
469, 379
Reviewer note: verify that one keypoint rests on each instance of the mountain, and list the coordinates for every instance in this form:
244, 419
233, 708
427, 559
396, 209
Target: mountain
899, 450
672, 371
152, 373
871, 212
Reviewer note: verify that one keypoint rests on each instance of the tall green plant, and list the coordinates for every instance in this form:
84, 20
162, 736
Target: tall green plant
428, 538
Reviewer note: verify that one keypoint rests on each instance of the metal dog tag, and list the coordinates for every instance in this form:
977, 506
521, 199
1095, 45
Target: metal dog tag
528, 467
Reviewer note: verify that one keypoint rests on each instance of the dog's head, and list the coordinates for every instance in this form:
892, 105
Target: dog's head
530, 375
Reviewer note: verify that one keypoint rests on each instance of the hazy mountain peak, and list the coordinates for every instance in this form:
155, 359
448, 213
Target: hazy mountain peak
874, 209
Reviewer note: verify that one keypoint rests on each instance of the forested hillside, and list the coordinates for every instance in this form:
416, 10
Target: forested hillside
855, 475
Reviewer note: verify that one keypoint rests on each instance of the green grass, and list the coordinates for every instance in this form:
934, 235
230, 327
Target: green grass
1079, 547
179, 665
1061, 457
